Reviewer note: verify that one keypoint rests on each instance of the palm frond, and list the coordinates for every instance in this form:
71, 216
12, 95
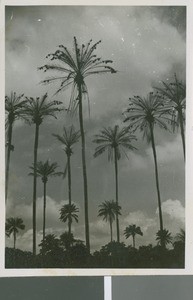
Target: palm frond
76, 65
114, 139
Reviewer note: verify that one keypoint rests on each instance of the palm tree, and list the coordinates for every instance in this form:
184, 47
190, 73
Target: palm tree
109, 210
36, 110
181, 236
75, 66
114, 140
68, 212
179, 241
68, 139
144, 114
12, 226
14, 111
45, 170
132, 230
164, 237
174, 94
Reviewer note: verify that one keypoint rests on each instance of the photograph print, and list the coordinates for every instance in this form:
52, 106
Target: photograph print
95, 101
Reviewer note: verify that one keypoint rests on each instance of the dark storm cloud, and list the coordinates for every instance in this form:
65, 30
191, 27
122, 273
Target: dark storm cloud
147, 45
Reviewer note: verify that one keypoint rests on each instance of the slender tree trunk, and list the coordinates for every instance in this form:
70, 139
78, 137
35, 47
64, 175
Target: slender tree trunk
8, 160
35, 186
182, 132
69, 226
44, 212
116, 194
111, 229
69, 180
14, 240
157, 179
133, 236
84, 169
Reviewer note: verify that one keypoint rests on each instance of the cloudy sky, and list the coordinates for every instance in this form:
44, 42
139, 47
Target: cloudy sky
147, 45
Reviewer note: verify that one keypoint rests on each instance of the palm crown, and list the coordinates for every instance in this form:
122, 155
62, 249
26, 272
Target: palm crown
163, 237
13, 225
37, 108
13, 107
68, 139
113, 139
45, 170
108, 210
68, 212
181, 236
144, 113
75, 66
174, 94
132, 230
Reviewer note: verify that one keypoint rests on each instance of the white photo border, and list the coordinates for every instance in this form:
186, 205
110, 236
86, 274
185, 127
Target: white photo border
188, 270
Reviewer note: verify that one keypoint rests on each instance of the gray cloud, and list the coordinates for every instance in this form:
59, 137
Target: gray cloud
173, 215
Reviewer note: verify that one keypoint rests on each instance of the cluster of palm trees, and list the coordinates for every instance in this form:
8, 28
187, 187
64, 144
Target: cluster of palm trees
109, 210
164, 107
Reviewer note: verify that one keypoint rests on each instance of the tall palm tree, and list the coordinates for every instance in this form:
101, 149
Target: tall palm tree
36, 109
12, 226
114, 141
132, 230
45, 170
109, 210
144, 114
68, 139
14, 111
68, 212
75, 66
174, 94
164, 237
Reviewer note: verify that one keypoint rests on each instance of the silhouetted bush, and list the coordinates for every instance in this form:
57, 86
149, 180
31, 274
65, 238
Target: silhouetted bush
112, 255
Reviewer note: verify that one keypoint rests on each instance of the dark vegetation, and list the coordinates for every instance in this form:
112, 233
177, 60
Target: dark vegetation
56, 254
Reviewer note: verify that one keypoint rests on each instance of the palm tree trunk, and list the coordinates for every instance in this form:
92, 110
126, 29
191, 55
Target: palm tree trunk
182, 132
14, 240
69, 180
157, 178
84, 168
35, 186
133, 236
111, 229
8, 160
44, 212
69, 226
116, 193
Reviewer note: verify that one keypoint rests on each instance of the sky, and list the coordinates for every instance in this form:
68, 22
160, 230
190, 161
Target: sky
147, 45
